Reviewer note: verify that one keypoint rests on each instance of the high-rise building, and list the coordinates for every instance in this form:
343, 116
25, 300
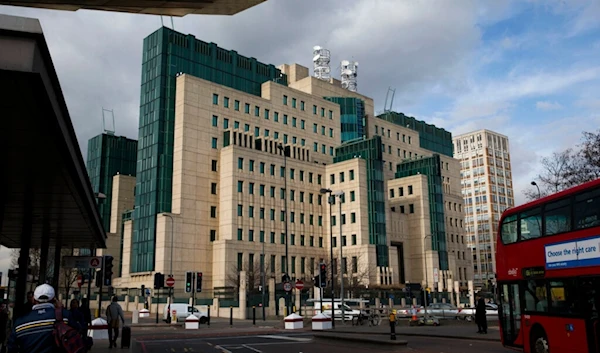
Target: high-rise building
167, 54
486, 183
219, 195
109, 155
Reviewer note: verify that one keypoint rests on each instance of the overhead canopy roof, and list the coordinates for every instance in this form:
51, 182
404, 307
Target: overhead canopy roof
41, 167
151, 7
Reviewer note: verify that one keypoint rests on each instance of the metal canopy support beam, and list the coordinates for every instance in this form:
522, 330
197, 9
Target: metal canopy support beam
56, 272
44, 253
24, 260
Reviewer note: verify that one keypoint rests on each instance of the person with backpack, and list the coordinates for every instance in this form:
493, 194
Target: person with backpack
113, 313
48, 328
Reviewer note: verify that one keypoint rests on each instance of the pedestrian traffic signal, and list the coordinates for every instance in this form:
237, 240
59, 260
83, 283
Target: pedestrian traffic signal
108, 270
159, 280
188, 282
322, 275
199, 282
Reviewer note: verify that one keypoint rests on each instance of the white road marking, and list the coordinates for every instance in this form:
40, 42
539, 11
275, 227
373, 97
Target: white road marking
252, 349
287, 338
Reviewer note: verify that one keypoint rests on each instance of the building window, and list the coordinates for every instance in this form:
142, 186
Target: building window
215, 121
256, 110
240, 235
226, 102
213, 188
285, 100
410, 190
276, 117
213, 235
226, 123
247, 108
262, 190
246, 127
214, 165
315, 109
240, 260
353, 217
272, 263
354, 264
272, 238
251, 188
215, 98
213, 211
391, 193
236, 105
261, 168
240, 210
320, 242
262, 213
267, 114
214, 143
322, 112
401, 191
272, 191
352, 196
293, 102
282, 238
342, 177
240, 186
262, 240
332, 179
285, 119
272, 214
250, 235
302, 105
411, 208
236, 124
272, 170
241, 163
292, 239
331, 115
311, 241
353, 239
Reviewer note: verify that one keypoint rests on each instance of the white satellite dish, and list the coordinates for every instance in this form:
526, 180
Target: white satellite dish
316, 57
345, 62
316, 47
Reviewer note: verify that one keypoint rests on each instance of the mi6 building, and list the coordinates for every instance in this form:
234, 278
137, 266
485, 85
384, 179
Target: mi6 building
244, 167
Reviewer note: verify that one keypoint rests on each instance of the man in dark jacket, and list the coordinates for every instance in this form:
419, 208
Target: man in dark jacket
33, 333
480, 317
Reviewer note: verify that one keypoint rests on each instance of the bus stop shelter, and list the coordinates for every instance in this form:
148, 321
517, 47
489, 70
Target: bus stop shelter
46, 199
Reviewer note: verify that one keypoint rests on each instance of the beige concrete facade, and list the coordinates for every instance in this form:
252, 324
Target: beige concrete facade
229, 182
486, 185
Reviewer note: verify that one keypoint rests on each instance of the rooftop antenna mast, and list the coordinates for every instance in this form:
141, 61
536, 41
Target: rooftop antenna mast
321, 60
105, 114
387, 109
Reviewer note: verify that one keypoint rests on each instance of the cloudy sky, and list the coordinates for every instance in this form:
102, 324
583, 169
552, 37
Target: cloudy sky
527, 69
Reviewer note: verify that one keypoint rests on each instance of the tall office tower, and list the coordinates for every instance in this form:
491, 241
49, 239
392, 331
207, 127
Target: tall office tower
109, 155
166, 55
486, 183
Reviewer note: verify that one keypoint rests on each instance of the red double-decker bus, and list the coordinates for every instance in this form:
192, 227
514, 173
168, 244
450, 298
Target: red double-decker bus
548, 273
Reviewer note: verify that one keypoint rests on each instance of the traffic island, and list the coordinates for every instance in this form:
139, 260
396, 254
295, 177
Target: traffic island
359, 338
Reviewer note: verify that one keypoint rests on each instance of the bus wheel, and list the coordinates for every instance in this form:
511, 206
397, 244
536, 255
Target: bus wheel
539, 342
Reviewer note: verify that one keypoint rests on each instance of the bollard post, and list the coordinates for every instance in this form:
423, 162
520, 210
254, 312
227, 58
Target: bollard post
392, 326
231, 316
253, 315
208, 321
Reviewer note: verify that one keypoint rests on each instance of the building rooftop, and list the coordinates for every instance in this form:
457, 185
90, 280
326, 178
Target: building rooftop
149, 7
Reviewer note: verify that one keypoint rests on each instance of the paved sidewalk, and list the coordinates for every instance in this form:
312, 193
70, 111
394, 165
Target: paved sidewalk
447, 329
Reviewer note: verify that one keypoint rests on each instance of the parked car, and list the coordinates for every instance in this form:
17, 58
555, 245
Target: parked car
491, 312
444, 310
184, 310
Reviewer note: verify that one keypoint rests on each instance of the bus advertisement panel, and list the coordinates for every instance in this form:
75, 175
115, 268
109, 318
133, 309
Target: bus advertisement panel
548, 272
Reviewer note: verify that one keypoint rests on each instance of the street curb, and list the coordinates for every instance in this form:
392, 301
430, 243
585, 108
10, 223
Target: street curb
485, 339
355, 338
214, 334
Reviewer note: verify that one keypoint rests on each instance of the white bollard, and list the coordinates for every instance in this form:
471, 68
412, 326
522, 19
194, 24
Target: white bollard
99, 329
192, 323
321, 322
293, 322
144, 313
135, 316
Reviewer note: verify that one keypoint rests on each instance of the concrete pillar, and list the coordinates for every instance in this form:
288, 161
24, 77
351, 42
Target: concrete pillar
403, 302
297, 300
191, 301
136, 301
214, 311
272, 310
242, 294
450, 295
471, 294
127, 302
444, 300
377, 303
435, 300
457, 292
414, 302
391, 302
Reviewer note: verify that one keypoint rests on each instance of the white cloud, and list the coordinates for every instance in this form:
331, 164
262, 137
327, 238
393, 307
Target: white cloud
547, 105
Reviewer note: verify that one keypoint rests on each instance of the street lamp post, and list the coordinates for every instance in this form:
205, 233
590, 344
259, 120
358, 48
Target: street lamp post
285, 212
426, 280
170, 269
538, 189
262, 277
340, 195
330, 200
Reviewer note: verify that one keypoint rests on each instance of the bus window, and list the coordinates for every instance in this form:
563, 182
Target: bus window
563, 297
587, 209
509, 230
536, 296
558, 217
589, 295
531, 224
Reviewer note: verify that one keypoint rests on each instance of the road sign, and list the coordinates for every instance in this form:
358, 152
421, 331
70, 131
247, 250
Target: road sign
299, 285
436, 275
82, 261
79, 281
170, 282
287, 286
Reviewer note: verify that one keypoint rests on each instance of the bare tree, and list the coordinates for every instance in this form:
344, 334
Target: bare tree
253, 276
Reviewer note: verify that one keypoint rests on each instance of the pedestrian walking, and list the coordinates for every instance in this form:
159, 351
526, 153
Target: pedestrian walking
86, 311
480, 317
34, 332
113, 313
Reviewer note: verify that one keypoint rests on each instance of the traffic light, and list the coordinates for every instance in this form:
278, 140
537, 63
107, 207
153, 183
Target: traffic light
322, 275
188, 282
99, 279
143, 290
159, 280
108, 270
285, 278
199, 282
